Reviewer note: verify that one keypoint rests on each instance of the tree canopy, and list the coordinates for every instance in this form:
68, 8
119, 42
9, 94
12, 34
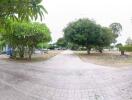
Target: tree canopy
129, 41
16, 27
116, 28
106, 37
21, 9
61, 42
87, 33
25, 35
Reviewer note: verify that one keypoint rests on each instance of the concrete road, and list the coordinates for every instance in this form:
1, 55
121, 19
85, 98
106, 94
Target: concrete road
64, 77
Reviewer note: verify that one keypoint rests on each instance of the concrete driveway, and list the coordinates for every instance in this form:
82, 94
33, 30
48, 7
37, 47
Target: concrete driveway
64, 77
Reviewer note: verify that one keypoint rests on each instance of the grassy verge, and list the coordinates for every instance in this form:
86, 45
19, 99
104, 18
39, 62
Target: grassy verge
35, 57
113, 59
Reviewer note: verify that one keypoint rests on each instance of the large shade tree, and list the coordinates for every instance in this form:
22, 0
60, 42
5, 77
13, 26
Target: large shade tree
87, 33
82, 32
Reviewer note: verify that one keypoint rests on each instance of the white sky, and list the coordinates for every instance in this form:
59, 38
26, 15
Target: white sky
104, 12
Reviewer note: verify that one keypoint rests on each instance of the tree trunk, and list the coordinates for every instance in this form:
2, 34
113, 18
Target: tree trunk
14, 53
30, 56
21, 52
21, 55
30, 52
122, 53
88, 50
101, 51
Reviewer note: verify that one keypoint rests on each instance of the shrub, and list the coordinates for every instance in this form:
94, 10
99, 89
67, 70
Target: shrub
125, 49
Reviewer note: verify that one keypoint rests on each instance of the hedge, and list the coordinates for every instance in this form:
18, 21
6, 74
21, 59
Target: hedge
126, 48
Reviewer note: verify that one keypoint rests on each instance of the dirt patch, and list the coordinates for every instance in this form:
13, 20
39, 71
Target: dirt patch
113, 59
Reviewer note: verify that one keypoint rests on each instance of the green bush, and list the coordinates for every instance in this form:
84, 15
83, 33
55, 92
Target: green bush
126, 48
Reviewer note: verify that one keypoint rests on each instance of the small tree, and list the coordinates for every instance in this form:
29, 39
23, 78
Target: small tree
129, 41
105, 39
61, 42
25, 36
116, 28
37, 33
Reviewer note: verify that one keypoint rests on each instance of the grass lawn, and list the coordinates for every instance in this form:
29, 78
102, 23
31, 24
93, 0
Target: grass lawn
35, 57
112, 59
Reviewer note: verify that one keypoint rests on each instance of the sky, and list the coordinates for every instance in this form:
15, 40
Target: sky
104, 12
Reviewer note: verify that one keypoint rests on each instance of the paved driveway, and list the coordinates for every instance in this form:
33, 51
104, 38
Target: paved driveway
64, 77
